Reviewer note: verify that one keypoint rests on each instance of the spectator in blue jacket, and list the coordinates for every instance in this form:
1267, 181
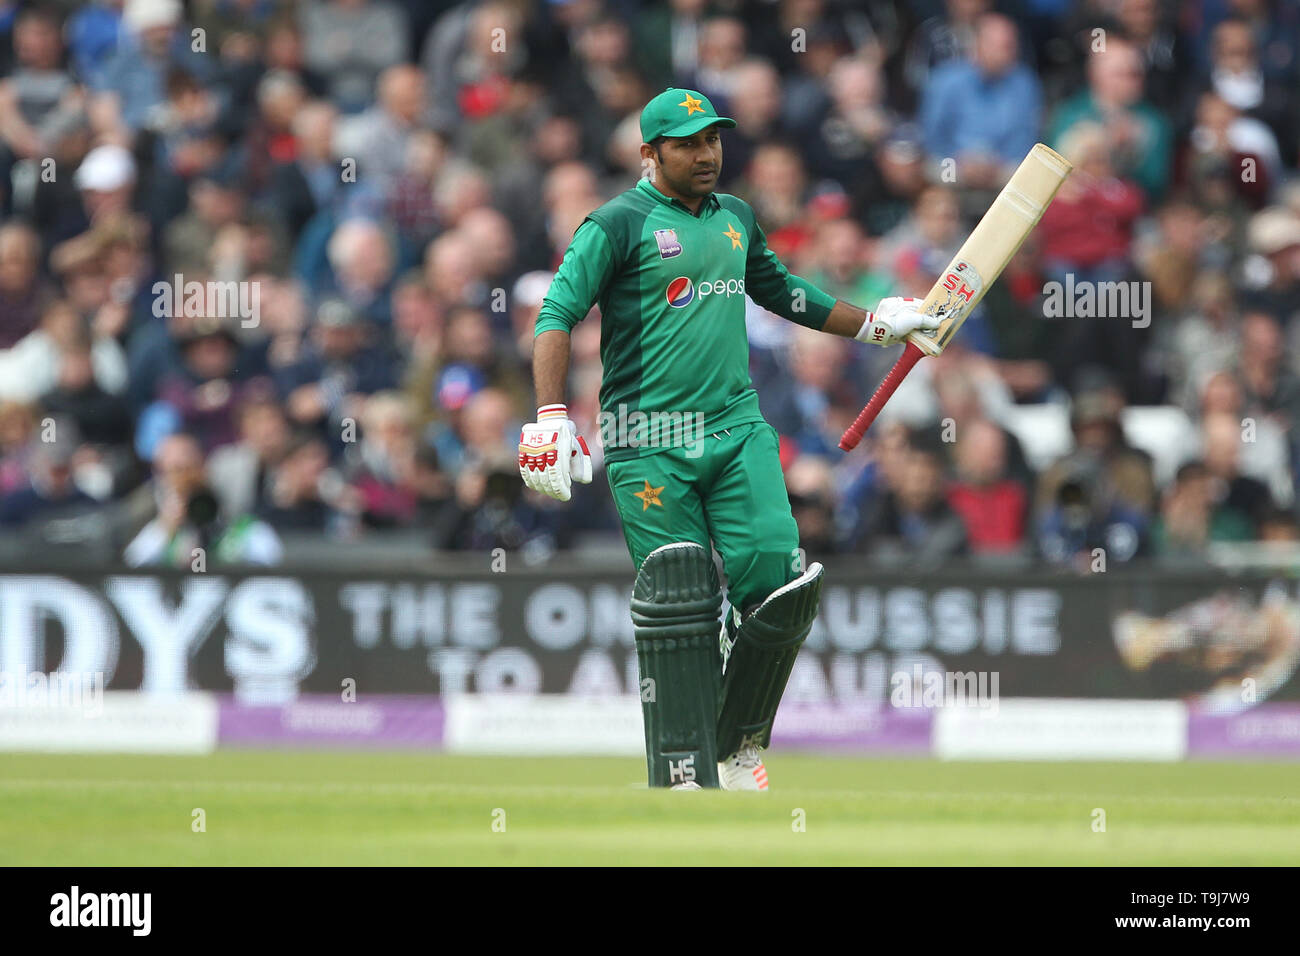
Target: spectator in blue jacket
985, 111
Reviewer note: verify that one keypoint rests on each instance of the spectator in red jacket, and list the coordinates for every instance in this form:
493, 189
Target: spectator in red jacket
1088, 228
992, 504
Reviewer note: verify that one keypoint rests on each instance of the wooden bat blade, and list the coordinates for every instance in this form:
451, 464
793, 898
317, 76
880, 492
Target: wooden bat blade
994, 240
978, 263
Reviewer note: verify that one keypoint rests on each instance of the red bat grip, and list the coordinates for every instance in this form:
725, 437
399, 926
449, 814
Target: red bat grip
853, 434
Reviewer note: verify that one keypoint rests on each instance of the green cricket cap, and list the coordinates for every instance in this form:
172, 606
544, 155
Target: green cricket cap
677, 112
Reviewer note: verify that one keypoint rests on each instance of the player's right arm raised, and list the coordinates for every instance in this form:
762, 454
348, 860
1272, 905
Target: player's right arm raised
552, 455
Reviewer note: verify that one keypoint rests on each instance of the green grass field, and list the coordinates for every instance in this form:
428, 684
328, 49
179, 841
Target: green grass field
354, 808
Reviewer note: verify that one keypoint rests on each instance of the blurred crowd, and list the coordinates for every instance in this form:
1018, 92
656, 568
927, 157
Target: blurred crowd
394, 182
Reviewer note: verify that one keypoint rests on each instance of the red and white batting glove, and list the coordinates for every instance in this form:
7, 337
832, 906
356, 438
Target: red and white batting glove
552, 455
894, 320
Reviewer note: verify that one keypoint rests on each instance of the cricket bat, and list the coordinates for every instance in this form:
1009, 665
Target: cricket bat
977, 265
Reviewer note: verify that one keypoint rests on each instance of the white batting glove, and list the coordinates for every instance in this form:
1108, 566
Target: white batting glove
552, 455
894, 320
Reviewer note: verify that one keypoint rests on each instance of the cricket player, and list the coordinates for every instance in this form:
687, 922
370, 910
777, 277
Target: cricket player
692, 465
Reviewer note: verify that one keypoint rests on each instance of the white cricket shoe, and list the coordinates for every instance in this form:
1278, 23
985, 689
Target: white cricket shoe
744, 769
688, 785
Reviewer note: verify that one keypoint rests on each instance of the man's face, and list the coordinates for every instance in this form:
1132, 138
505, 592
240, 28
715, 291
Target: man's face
1116, 75
403, 94
211, 357
36, 43
995, 47
156, 40
17, 264
922, 482
1234, 47
689, 165
265, 429
178, 464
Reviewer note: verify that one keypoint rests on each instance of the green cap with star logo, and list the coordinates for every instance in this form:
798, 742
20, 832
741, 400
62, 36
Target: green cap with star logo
677, 112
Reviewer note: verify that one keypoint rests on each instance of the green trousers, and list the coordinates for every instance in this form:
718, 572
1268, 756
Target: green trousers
727, 493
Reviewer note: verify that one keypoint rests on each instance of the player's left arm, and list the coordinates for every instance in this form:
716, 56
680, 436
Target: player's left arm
769, 283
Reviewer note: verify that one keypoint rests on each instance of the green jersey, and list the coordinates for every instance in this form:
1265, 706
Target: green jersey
671, 286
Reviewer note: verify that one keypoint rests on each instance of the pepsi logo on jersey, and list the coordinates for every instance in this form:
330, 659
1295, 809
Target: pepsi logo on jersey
681, 291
